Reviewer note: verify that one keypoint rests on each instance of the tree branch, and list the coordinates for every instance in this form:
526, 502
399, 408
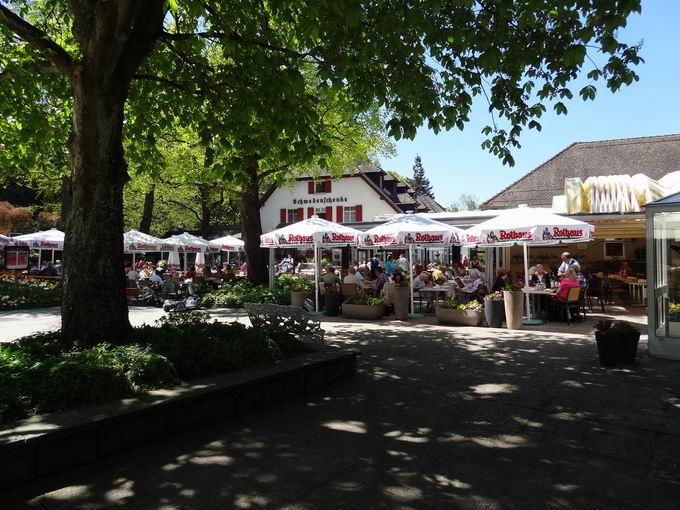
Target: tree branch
198, 217
37, 67
36, 38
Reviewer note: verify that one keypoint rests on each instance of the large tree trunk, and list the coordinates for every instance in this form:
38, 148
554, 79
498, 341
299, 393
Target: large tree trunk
94, 306
206, 214
147, 212
114, 38
256, 257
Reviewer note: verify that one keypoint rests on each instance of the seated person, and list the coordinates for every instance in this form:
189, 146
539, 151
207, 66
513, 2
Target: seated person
421, 280
353, 277
48, 269
475, 288
132, 275
438, 276
570, 280
207, 272
540, 276
380, 278
626, 270
191, 272
501, 280
156, 278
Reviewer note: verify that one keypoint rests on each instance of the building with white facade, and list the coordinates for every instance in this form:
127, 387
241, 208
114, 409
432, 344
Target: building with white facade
365, 195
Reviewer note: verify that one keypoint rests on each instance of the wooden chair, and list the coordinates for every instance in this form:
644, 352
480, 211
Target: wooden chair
349, 290
599, 292
570, 305
617, 289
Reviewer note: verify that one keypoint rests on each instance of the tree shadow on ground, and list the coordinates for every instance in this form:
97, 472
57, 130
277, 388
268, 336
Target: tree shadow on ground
436, 418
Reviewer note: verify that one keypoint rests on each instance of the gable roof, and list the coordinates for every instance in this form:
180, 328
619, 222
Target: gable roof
398, 195
653, 156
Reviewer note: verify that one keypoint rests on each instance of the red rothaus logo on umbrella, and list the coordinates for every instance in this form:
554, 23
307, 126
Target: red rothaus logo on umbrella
513, 235
428, 238
566, 233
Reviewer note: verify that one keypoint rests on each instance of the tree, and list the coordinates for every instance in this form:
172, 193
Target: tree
421, 184
465, 202
406, 180
13, 218
130, 69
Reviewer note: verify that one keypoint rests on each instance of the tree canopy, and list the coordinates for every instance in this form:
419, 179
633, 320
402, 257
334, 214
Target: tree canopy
238, 74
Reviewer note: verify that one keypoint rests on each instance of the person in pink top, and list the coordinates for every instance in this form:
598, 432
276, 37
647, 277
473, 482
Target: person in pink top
568, 281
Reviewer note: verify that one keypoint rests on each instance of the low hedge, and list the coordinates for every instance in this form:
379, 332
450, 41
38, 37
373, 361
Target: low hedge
235, 294
43, 373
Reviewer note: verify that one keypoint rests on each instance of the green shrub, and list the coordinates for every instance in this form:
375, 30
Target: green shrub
236, 294
145, 369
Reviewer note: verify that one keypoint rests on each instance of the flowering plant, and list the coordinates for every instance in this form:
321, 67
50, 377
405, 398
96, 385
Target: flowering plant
511, 287
494, 296
472, 306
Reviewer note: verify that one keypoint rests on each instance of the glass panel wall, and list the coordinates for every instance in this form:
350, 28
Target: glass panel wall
666, 272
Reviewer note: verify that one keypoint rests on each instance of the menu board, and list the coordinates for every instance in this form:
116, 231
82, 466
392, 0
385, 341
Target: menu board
16, 258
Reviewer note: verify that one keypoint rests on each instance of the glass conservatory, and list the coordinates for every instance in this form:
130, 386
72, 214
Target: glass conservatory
663, 276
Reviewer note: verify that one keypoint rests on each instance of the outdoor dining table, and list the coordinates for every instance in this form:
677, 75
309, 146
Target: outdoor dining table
537, 304
436, 290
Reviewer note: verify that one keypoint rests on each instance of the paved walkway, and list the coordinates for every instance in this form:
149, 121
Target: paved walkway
436, 418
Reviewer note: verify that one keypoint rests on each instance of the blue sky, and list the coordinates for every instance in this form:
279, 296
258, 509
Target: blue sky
455, 163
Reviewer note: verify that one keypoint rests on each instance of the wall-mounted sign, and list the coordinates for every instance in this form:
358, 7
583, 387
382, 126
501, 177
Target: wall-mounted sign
324, 200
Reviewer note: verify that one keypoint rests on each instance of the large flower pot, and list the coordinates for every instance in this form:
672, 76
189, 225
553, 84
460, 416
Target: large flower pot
400, 301
494, 311
615, 347
514, 308
332, 302
363, 312
297, 298
459, 317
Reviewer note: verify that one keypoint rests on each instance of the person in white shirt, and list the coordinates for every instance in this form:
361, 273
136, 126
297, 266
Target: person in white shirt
567, 262
403, 263
133, 275
352, 277
420, 281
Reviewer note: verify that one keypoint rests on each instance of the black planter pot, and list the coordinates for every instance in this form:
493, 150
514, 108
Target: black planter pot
332, 302
617, 347
494, 312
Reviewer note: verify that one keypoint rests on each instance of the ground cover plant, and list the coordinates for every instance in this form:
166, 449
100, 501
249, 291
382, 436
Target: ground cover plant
234, 295
17, 291
45, 373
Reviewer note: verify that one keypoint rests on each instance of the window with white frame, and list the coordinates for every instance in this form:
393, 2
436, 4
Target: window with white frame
614, 250
292, 215
321, 213
349, 215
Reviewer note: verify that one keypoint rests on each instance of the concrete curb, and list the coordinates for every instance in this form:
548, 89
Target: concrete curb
50, 443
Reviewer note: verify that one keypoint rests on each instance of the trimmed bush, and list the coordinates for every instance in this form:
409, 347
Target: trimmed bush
43, 373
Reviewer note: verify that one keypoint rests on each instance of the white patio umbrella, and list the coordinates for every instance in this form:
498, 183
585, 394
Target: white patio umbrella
135, 242
313, 233
6, 241
189, 243
52, 239
409, 230
528, 226
228, 244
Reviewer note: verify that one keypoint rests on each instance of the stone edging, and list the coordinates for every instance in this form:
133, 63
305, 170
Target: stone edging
50, 443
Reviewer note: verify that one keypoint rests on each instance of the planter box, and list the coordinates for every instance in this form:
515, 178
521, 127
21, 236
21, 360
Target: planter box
617, 347
363, 312
494, 311
459, 317
514, 308
332, 302
400, 301
297, 298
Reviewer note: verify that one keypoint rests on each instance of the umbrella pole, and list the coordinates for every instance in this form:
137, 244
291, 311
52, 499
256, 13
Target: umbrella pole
271, 268
316, 276
410, 265
134, 261
526, 278
39, 259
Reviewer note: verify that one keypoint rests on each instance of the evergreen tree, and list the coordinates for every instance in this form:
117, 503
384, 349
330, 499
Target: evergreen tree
421, 184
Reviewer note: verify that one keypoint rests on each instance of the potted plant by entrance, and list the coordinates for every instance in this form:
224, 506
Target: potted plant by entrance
298, 291
364, 307
616, 342
400, 296
332, 299
494, 309
513, 300
455, 314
